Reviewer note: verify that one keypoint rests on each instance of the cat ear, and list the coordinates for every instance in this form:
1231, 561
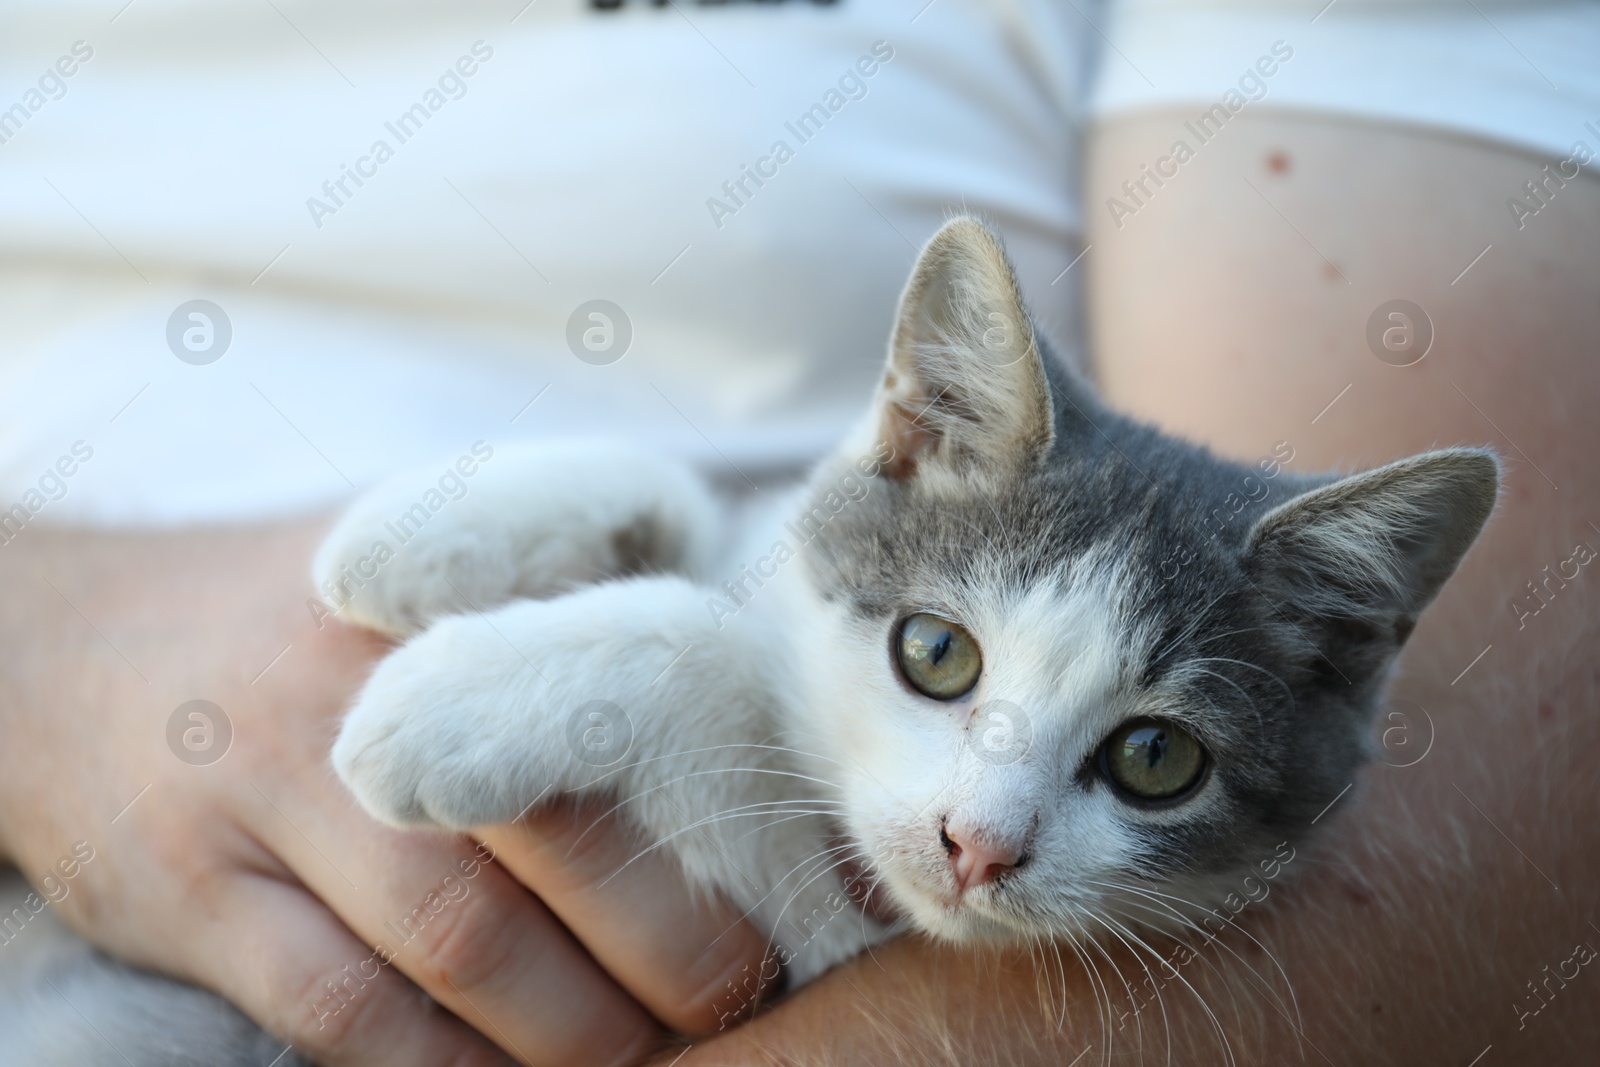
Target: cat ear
965, 382
1359, 559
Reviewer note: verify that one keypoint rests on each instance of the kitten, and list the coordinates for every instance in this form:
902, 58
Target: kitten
1008, 666
1011, 660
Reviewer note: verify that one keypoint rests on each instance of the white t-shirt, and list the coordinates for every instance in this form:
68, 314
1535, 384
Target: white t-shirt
535, 158
1519, 72
400, 210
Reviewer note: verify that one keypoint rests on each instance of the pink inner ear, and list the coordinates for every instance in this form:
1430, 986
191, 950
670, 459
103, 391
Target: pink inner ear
908, 436
946, 396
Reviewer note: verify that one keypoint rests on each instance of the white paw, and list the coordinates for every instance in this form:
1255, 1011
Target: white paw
447, 733
528, 520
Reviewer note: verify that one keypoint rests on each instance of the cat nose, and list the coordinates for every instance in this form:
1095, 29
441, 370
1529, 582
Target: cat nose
978, 860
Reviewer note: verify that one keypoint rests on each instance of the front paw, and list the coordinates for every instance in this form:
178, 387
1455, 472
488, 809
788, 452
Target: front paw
440, 735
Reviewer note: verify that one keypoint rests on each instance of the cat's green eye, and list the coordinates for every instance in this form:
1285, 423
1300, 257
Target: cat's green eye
1153, 760
938, 657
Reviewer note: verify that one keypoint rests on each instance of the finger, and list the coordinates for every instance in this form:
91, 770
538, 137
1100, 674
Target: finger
694, 962
291, 965
465, 932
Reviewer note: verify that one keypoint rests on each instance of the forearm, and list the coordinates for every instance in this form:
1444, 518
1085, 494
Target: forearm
1240, 315
1410, 930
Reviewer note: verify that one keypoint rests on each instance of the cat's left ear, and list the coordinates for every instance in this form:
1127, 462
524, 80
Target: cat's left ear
1358, 560
965, 383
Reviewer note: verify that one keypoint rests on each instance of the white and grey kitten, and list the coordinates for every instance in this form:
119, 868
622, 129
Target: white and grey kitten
1009, 663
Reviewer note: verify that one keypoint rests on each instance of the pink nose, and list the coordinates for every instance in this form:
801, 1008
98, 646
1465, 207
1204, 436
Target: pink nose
975, 863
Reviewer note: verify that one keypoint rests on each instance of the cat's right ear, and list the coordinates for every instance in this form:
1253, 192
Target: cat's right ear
965, 387
1360, 558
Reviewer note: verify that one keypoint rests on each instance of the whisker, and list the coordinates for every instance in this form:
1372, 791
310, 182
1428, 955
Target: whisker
1097, 985
790, 815
612, 771
1216, 1024
866, 905
1061, 968
828, 869
1193, 951
1138, 1026
1196, 622
1161, 1001
1260, 723
813, 858
1288, 690
1043, 985
685, 777
730, 813
1159, 897
1233, 997
1209, 638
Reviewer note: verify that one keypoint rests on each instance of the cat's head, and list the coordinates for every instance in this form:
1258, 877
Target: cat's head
1070, 667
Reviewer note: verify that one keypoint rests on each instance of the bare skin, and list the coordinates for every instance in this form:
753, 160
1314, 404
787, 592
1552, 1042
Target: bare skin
1407, 932
257, 875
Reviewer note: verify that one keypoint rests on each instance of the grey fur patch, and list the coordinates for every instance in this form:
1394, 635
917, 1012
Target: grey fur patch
646, 545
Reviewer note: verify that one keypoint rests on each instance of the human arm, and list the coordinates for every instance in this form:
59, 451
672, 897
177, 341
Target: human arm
1411, 929
255, 874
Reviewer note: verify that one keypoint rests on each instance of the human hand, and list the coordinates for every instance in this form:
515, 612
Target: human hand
255, 875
